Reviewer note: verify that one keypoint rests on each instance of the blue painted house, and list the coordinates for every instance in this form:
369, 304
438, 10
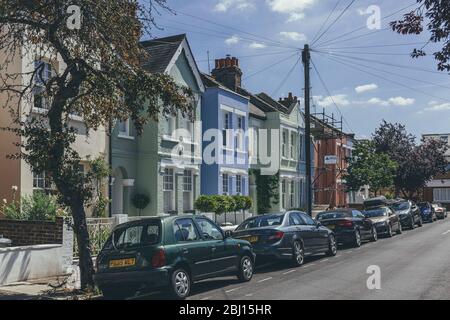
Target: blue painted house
225, 119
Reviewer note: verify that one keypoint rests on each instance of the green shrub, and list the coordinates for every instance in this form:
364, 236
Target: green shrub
205, 204
140, 201
37, 207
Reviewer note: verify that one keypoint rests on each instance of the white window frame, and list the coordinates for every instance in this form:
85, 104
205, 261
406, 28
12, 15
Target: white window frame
170, 125
169, 187
284, 143
283, 193
188, 189
225, 183
292, 145
292, 194
227, 126
39, 83
238, 184
127, 132
42, 177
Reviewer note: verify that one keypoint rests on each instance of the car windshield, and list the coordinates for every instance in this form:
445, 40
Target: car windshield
399, 206
262, 221
134, 236
332, 215
376, 213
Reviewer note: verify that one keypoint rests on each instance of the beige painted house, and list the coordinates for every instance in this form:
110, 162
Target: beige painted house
17, 172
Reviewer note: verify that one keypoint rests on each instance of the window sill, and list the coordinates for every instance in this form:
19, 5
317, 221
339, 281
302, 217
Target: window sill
127, 137
166, 137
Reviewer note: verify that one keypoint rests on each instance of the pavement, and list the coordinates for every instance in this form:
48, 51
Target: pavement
414, 265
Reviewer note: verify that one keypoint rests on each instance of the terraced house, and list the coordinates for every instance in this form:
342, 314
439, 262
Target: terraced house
16, 172
164, 162
225, 112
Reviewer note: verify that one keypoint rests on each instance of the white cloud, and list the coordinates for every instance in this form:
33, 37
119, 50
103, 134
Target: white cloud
241, 5
395, 101
293, 36
256, 45
233, 40
295, 8
366, 87
438, 107
339, 99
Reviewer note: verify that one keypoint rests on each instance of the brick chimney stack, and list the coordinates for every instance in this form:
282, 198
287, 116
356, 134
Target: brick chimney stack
228, 73
287, 102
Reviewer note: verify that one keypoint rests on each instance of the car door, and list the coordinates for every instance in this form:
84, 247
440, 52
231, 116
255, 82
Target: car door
365, 224
191, 246
319, 236
223, 251
393, 219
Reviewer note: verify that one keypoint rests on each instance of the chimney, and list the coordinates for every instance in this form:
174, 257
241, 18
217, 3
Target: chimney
228, 73
287, 102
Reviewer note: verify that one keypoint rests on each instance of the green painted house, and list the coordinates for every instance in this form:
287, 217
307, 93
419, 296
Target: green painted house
164, 162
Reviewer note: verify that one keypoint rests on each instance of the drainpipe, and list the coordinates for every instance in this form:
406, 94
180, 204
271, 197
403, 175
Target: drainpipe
110, 167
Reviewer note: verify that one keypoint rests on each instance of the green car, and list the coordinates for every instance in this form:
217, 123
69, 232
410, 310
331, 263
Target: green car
169, 252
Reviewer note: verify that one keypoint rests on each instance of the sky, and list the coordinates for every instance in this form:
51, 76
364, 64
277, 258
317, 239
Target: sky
366, 75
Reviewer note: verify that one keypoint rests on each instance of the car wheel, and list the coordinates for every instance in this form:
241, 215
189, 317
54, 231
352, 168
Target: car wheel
245, 269
115, 293
389, 231
400, 228
420, 223
413, 224
357, 240
374, 234
180, 284
332, 246
298, 253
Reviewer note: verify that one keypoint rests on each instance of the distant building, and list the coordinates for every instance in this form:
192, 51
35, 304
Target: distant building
332, 149
438, 190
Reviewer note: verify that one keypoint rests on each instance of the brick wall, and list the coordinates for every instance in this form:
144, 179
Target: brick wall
27, 233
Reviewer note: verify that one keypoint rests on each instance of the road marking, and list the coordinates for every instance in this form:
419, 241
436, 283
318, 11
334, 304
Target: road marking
266, 279
290, 271
231, 290
249, 294
324, 260
446, 232
207, 298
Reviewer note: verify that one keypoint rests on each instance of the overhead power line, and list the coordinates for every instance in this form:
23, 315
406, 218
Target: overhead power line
286, 78
334, 22
326, 20
256, 55
269, 66
330, 95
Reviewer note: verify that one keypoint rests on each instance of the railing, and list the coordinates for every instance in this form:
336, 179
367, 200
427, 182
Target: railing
99, 230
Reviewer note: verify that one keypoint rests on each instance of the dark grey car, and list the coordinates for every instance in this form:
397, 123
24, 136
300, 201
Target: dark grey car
291, 235
408, 212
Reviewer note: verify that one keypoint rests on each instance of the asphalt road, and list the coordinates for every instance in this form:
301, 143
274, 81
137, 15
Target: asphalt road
414, 265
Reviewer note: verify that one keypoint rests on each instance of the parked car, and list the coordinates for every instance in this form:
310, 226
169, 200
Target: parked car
291, 235
169, 252
350, 226
440, 210
409, 213
385, 220
427, 212
377, 202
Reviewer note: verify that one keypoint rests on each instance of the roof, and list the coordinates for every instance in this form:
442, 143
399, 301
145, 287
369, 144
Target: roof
254, 111
274, 104
161, 52
210, 82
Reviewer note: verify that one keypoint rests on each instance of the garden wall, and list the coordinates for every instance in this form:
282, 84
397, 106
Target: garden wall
29, 233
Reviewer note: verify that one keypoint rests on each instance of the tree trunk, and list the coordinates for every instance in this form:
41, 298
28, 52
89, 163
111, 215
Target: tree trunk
81, 231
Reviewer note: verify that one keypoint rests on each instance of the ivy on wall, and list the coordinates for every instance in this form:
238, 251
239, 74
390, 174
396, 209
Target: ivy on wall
267, 190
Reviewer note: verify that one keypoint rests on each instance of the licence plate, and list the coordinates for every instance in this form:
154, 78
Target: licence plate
252, 239
121, 263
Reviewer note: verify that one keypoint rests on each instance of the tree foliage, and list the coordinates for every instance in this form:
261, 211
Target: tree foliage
433, 15
417, 164
101, 80
367, 167
267, 191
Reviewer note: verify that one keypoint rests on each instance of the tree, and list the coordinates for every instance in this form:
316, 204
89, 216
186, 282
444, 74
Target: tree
140, 201
416, 164
438, 24
368, 167
267, 191
102, 81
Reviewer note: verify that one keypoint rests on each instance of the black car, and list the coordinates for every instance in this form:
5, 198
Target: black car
169, 252
427, 211
385, 220
409, 213
349, 225
291, 235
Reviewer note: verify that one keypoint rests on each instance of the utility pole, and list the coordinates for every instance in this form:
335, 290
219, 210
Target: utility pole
306, 58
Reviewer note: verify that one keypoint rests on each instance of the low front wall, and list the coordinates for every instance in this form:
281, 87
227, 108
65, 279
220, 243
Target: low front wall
29, 233
31, 262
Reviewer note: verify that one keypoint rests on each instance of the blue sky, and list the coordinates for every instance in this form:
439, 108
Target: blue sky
266, 35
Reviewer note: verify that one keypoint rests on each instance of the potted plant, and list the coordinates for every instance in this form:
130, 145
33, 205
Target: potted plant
140, 201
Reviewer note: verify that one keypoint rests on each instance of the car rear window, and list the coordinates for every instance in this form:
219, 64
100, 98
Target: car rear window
333, 215
262, 221
134, 236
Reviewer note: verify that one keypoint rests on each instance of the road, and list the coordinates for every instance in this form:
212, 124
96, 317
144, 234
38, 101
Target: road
414, 265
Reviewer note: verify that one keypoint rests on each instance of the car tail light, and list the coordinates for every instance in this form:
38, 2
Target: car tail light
159, 259
276, 236
345, 223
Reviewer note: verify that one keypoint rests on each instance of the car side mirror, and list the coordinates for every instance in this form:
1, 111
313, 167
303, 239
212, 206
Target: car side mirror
318, 224
228, 234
